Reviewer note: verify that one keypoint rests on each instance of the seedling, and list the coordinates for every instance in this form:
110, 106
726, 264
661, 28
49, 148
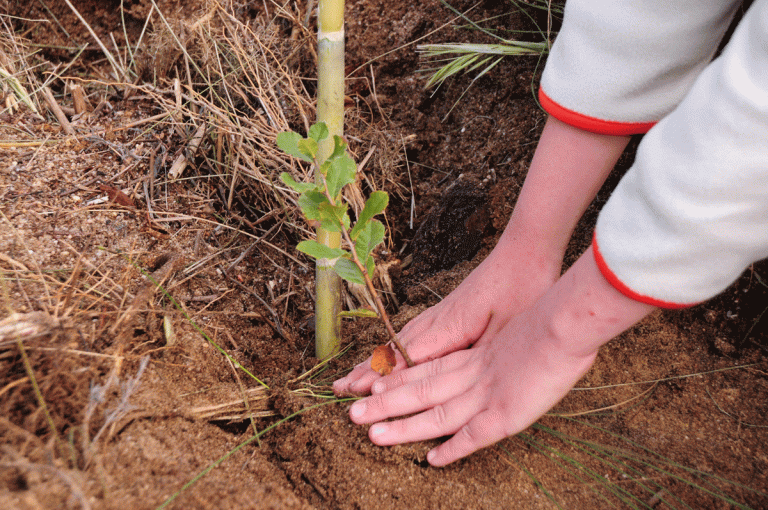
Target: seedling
322, 206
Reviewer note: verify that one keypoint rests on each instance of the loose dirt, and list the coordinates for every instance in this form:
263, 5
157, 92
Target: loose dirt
115, 394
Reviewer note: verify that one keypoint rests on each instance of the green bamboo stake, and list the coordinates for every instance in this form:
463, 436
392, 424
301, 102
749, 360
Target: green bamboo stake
330, 109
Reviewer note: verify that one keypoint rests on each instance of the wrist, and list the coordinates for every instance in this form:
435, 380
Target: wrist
583, 310
540, 254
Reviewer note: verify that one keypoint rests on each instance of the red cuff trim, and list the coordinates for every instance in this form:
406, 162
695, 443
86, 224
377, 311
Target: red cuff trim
618, 285
591, 124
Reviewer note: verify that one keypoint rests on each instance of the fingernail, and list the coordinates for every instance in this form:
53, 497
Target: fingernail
377, 387
431, 454
378, 430
358, 409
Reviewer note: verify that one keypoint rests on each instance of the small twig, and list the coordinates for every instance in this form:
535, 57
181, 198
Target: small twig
26, 326
252, 403
56, 109
183, 159
656, 498
246, 402
79, 99
606, 408
430, 290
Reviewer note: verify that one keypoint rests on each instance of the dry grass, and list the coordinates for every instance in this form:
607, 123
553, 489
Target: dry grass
205, 101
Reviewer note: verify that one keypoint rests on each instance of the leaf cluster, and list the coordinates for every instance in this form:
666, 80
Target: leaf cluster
321, 202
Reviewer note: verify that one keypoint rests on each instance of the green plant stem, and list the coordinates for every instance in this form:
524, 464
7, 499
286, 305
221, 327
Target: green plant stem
330, 109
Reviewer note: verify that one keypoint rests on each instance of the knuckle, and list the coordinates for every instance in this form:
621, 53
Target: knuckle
395, 380
377, 403
440, 417
485, 430
423, 390
435, 367
468, 435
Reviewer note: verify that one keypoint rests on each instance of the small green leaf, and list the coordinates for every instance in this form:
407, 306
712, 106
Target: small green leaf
332, 216
301, 187
318, 132
370, 266
339, 147
288, 142
378, 231
308, 147
375, 204
361, 243
349, 271
319, 250
341, 173
368, 238
310, 202
325, 167
360, 312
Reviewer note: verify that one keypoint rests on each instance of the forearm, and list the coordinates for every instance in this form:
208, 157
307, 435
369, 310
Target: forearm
568, 169
584, 311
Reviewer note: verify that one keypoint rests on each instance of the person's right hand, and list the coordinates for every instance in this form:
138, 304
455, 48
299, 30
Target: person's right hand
503, 285
508, 378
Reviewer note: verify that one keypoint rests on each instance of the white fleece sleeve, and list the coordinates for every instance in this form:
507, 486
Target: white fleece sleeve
692, 212
618, 66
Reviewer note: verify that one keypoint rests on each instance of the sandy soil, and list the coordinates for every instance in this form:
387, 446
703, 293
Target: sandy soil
114, 394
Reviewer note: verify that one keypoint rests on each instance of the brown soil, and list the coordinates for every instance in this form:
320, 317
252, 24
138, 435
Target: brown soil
142, 403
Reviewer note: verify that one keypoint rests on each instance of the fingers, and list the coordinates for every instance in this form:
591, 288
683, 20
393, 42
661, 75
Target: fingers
359, 380
423, 337
440, 420
425, 370
483, 430
436, 332
436, 386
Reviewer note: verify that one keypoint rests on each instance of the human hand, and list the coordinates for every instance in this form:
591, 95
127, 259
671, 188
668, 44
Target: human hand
504, 284
481, 395
568, 168
507, 379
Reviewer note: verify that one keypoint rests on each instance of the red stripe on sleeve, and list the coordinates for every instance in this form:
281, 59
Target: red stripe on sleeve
618, 285
591, 124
